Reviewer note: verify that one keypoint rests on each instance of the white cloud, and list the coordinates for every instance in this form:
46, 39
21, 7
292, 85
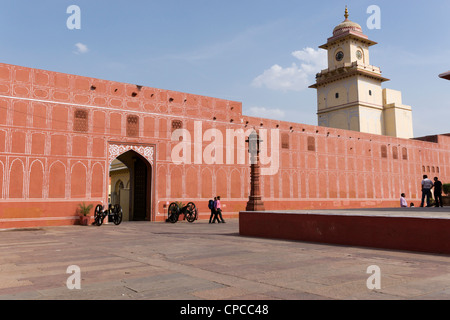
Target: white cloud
313, 57
279, 78
81, 48
266, 113
294, 78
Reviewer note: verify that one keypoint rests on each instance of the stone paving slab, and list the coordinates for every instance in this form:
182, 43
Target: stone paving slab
201, 261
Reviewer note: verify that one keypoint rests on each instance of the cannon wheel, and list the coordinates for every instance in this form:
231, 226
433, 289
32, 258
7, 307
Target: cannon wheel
173, 212
191, 212
118, 215
98, 215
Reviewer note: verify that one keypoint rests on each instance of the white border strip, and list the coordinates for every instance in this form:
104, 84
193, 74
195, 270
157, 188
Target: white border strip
38, 219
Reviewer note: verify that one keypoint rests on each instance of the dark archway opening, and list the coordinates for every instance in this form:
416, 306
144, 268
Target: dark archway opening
138, 195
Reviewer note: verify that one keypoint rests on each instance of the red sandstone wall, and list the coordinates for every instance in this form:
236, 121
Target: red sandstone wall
50, 162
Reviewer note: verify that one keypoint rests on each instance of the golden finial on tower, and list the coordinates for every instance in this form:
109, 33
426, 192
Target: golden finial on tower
346, 13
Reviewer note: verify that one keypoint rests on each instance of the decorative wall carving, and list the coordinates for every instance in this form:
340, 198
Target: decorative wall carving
116, 150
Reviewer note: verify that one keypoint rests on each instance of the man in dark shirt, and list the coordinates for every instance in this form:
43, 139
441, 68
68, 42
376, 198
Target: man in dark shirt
438, 192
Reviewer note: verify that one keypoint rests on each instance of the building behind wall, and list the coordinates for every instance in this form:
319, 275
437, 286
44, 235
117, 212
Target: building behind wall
349, 92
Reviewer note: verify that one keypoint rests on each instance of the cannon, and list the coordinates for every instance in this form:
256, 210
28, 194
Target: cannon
189, 211
114, 213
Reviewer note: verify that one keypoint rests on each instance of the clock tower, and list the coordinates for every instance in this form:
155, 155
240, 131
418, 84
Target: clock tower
349, 92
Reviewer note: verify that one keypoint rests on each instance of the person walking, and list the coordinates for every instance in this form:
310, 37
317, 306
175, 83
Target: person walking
427, 184
438, 192
213, 210
218, 208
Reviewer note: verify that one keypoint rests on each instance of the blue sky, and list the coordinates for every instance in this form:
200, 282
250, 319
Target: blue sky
229, 49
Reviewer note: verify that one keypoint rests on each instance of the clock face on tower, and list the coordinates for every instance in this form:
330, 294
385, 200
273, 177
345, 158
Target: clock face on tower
339, 56
359, 54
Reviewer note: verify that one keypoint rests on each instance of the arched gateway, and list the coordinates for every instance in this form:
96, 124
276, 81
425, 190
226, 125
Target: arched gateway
136, 198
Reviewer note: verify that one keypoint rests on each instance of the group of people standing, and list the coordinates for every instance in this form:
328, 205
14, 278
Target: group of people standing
216, 210
427, 185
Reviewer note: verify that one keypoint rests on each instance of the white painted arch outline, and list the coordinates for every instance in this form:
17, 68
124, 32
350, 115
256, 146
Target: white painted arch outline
116, 150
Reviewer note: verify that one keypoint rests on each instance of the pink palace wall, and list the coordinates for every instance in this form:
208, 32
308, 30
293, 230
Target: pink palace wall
60, 132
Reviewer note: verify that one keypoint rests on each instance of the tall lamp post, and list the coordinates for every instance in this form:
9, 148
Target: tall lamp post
255, 202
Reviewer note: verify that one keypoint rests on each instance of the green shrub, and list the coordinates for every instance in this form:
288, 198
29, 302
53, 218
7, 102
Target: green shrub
85, 209
446, 188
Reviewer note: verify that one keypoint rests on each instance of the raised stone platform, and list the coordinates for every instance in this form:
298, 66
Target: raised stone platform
410, 229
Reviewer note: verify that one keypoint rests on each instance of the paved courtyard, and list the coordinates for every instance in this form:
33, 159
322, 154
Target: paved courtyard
205, 261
